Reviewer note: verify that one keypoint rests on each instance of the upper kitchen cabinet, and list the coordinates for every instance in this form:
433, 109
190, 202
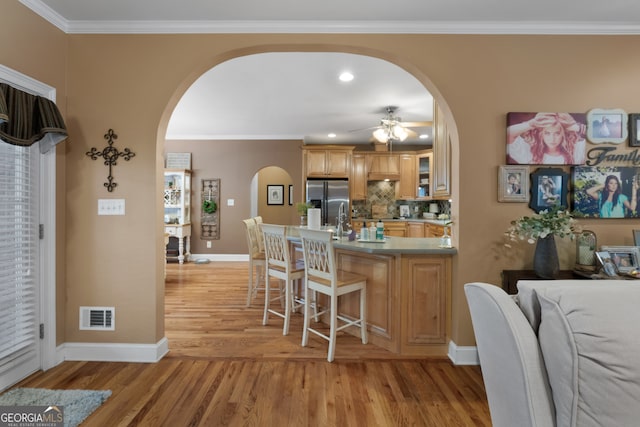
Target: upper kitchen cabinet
358, 185
424, 161
406, 187
324, 161
383, 166
441, 170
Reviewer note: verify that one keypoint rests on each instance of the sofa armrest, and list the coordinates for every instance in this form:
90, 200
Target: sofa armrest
512, 366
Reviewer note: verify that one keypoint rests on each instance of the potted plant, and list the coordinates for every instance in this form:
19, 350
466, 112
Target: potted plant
302, 208
540, 229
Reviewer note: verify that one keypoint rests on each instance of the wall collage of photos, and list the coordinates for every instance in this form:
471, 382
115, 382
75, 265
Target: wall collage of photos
587, 163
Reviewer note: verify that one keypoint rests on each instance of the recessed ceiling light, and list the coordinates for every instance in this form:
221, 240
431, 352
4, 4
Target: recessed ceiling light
332, 135
424, 136
346, 76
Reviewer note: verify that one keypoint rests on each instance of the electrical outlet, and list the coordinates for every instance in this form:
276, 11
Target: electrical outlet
208, 244
231, 202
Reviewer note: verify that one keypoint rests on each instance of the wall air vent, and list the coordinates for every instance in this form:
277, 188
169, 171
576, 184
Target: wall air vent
97, 318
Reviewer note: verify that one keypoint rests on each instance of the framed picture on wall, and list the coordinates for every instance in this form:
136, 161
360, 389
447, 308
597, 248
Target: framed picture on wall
275, 194
634, 125
290, 195
605, 191
548, 189
546, 138
513, 183
607, 125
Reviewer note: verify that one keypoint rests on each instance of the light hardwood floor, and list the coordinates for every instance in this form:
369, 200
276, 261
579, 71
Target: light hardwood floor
225, 368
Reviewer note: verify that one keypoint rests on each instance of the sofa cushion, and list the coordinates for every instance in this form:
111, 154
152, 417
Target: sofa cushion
528, 302
590, 342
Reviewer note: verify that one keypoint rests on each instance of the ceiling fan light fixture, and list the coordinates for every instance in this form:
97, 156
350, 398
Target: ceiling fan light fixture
399, 132
381, 135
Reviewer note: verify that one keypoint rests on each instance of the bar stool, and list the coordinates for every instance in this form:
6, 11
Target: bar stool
256, 259
282, 267
322, 276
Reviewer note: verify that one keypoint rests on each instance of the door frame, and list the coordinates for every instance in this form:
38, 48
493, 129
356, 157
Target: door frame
47, 216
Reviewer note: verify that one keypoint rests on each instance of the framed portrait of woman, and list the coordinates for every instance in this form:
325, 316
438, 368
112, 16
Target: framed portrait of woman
513, 184
607, 126
605, 191
548, 189
546, 138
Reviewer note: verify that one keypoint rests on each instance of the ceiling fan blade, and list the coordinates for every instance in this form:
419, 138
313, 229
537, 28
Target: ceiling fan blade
363, 129
416, 124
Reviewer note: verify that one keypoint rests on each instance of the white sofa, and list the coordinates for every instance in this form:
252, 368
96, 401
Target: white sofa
560, 352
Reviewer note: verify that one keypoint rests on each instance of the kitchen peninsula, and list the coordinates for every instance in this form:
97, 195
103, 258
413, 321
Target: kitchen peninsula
408, 292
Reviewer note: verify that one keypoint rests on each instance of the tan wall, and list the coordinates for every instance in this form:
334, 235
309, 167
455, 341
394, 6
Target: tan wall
131, 83
236, 163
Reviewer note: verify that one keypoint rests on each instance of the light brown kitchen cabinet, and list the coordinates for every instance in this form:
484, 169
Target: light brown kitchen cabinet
433, 230
358, 184
441, 173
407, 186
415, 229
425, 302
395, 228
325, 162
424, 163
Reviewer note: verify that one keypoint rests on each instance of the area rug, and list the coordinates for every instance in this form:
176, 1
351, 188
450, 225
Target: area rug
78, 404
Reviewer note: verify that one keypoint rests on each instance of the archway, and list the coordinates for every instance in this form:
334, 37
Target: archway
383, 55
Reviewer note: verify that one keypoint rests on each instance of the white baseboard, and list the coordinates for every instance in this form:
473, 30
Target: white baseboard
115, 352
460, 355
219, 257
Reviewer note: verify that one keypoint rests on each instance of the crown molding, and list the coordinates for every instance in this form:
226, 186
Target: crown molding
330, 27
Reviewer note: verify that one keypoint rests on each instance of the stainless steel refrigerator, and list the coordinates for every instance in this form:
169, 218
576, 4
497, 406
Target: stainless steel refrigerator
327, 194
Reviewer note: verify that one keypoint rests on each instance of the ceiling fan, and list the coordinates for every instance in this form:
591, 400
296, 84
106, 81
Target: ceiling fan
393, 129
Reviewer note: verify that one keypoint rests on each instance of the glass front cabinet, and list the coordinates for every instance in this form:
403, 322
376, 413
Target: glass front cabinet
425, 164
177, 211
177, 197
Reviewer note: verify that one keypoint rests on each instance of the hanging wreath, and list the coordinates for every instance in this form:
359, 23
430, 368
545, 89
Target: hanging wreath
209, 206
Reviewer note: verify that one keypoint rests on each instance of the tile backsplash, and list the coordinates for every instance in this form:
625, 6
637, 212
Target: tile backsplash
384, 193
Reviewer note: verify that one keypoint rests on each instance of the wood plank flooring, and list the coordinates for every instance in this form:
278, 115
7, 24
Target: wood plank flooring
225, 369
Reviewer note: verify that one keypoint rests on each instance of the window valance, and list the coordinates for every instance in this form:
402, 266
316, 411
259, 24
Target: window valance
26, 119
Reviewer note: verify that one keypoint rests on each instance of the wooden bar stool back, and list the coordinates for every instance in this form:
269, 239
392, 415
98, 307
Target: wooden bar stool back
322, 276
281, 266
256, 259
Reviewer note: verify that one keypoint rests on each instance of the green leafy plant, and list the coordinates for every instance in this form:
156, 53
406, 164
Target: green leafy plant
556, 222
209, 206
302, 207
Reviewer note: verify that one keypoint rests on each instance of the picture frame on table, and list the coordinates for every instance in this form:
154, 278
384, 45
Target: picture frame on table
513, 184
290, 195
607, 125
634, 125
275, 194
549, 187
609, 268
625, 258
590, 197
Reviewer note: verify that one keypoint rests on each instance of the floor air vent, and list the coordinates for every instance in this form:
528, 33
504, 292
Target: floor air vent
97, 318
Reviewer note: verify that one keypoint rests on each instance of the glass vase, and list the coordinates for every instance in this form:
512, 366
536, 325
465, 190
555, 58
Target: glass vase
545, 258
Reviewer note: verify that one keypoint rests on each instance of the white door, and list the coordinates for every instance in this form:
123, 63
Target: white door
19, 263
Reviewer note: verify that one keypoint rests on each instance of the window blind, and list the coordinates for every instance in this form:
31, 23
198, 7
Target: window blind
19, 323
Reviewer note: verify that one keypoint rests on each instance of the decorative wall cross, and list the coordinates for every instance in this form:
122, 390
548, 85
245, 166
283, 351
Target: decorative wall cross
110, 155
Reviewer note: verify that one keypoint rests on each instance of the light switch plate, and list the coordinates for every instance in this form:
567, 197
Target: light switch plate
110, 206
231, 202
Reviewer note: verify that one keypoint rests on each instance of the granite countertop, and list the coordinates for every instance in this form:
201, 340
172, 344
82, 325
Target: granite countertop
397, 245
390, 245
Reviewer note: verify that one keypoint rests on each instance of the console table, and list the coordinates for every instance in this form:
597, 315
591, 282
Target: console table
511, 277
